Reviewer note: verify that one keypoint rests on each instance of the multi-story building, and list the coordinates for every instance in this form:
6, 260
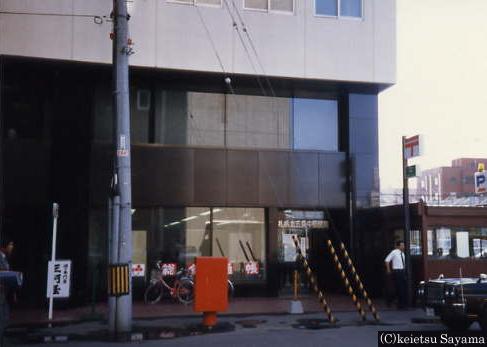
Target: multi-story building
455, 181
250, 120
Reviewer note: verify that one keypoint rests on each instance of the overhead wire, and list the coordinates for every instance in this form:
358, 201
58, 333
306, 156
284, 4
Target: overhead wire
207, 30
253, 47
244, 45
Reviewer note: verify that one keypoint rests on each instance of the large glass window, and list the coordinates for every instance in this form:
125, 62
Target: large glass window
342, 8
326, 7
174, 117
444, 242
180, 235
272, 5
315, 124
199, 2
239, 235
415, 242
351, 8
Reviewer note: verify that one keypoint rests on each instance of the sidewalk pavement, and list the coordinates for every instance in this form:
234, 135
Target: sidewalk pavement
167, 308
255, 330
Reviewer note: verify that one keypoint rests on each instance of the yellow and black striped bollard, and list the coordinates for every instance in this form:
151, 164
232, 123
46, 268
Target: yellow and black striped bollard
346, 282
314, 284
357, 280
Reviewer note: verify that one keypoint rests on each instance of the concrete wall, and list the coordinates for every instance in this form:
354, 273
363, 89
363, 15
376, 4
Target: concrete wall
178, 36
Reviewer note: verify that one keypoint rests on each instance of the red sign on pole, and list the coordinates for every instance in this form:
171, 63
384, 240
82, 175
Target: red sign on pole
411, 147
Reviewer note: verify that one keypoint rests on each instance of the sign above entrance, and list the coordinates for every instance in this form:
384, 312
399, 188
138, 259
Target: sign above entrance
316, 224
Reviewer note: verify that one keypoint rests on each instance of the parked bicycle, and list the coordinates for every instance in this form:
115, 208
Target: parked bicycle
182, 287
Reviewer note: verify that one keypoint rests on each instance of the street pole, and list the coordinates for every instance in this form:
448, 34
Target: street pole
407, 223
55, 215
121, 240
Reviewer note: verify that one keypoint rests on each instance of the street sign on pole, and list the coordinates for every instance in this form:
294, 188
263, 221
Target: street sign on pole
55, 216
412, 171
411, 146
59, 279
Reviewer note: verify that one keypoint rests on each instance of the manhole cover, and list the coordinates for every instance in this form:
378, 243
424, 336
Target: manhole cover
250, 323
425, 320
314, 324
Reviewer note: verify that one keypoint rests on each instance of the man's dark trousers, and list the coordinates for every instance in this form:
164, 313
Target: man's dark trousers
400, 283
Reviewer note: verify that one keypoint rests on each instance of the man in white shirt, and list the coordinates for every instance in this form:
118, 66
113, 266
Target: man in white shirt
396, 260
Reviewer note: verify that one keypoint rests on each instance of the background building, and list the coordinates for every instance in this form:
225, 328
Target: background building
287, 145
456, 181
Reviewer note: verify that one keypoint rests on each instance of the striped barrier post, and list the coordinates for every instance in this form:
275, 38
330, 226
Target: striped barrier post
346, 282
357, 280
118, 279
314, 284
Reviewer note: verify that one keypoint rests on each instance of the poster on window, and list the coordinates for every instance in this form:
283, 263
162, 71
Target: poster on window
168, 269
252, 268
289, 249
430, 242
463, 250
59, 279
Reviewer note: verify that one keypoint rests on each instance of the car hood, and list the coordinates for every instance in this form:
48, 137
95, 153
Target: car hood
465, 280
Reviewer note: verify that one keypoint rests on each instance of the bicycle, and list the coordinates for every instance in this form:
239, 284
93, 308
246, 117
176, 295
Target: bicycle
182, 289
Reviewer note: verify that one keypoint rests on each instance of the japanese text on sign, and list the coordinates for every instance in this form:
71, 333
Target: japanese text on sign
168, 269
59, 279
252, 268
138, 270
317, 224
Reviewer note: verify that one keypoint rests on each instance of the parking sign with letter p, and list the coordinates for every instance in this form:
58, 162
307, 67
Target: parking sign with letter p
480, 182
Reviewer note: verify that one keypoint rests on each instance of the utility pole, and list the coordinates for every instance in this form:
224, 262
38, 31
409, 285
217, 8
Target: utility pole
120, 315
407, 222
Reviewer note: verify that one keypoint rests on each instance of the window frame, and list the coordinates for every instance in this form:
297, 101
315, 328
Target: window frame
339, 16
269, 10
194, 3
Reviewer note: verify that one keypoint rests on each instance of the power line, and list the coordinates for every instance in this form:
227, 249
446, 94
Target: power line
97, 19
210, 38
254, 49
249, 57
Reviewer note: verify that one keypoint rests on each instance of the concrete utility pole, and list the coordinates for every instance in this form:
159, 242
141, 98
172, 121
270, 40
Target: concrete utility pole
120, 315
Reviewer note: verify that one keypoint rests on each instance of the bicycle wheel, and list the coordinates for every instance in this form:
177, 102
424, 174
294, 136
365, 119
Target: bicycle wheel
153, 293
185, 291
231, 289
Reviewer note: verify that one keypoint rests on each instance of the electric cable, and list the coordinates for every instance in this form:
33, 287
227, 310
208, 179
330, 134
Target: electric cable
244, 45
207, 30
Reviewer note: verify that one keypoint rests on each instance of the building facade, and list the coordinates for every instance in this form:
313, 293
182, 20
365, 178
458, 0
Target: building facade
251, 121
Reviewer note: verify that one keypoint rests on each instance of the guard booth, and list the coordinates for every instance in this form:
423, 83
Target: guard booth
443, 240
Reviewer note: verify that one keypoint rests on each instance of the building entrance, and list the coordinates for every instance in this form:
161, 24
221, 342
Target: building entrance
309, 227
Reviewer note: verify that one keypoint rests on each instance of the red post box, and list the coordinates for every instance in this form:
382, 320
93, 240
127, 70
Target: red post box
211, 288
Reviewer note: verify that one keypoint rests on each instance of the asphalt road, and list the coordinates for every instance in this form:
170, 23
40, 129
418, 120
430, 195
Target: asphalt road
281, 330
